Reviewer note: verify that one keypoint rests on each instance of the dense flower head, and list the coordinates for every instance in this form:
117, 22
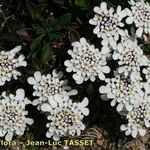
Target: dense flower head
13, 119
47, 86
87, 62
9, 62
130, 57
140, 16
108, 22
139, 117
121, 90
65, 118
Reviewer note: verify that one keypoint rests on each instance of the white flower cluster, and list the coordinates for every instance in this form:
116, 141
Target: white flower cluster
140, 16
48, 86
53, 97
126, 85
130, 57
108, 23
121, 90
65, 118
125, 88
13, 119
9, 63
87, 62
139, 117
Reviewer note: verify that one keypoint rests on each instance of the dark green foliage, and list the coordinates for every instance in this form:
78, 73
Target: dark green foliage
81, 4
46, 30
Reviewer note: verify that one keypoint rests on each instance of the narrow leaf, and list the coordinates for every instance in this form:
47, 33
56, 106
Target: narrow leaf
81, 4
31, 7
46, 52
64, 20
36, 42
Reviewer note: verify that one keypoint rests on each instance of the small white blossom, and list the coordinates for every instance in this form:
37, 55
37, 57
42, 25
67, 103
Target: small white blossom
140, 16
9, 63
108, 23
13, 119
121, 90
146, 71
139, 117
47, 86
87, 62
65, 118
130, 57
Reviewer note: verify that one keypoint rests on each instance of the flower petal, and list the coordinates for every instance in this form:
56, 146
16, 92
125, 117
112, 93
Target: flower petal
73, 92
103, 5
46, 107
31, 81
105, 50
9, 136
101, 76
139, 32
120, 107
83, 41
16, 49
56, 137
123, 127
85, 111
37, 76
106, 69
129, 20
85, 102
142, 131
53, 103
49, 134
20, 94
103, 89
134, 133
29, 121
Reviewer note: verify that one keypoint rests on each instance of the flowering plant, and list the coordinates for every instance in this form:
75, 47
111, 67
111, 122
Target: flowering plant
9, 64
65, 117
74, 66
13, 120
49, 86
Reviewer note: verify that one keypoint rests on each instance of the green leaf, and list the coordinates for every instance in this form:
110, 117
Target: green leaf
39, 30
36, 42
29, 136
31, 7
46, 52
64, 20
41, 20
74, 36
55, 36
81, 4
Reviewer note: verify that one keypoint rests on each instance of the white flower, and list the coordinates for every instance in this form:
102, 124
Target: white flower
9, 63
13, 114
136, 120
146, 71
130, 57
108, 23
139, 117
140, 16
87, 62
65, 118
47, 86
121, 90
